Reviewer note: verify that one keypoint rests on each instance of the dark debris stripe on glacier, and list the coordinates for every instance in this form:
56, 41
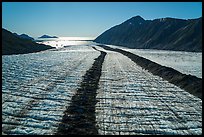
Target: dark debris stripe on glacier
79, 118
132, 101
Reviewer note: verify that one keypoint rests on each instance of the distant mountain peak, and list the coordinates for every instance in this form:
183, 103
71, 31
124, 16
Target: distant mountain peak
135, 20
138, 17
47, 36
23, 36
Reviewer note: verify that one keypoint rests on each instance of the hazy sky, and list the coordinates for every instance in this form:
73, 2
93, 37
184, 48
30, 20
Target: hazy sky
86, 18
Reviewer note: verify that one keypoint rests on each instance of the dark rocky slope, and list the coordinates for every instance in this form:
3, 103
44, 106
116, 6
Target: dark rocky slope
12, 44
164, 34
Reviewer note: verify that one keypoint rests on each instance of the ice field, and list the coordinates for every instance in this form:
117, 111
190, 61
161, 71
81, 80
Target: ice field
37, 88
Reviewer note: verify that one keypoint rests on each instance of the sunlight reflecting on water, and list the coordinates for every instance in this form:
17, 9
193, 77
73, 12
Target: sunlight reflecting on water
66, 41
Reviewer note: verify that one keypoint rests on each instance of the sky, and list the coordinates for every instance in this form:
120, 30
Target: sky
86, 19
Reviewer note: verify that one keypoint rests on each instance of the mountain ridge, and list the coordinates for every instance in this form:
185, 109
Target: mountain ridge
163, 34
24, 36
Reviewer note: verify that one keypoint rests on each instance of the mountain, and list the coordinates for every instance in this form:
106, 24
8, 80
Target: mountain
47, 36
12, 44
24, 36
163, 33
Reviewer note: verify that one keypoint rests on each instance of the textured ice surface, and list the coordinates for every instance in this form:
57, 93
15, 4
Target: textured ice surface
185, 62
37, 87
133, 101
